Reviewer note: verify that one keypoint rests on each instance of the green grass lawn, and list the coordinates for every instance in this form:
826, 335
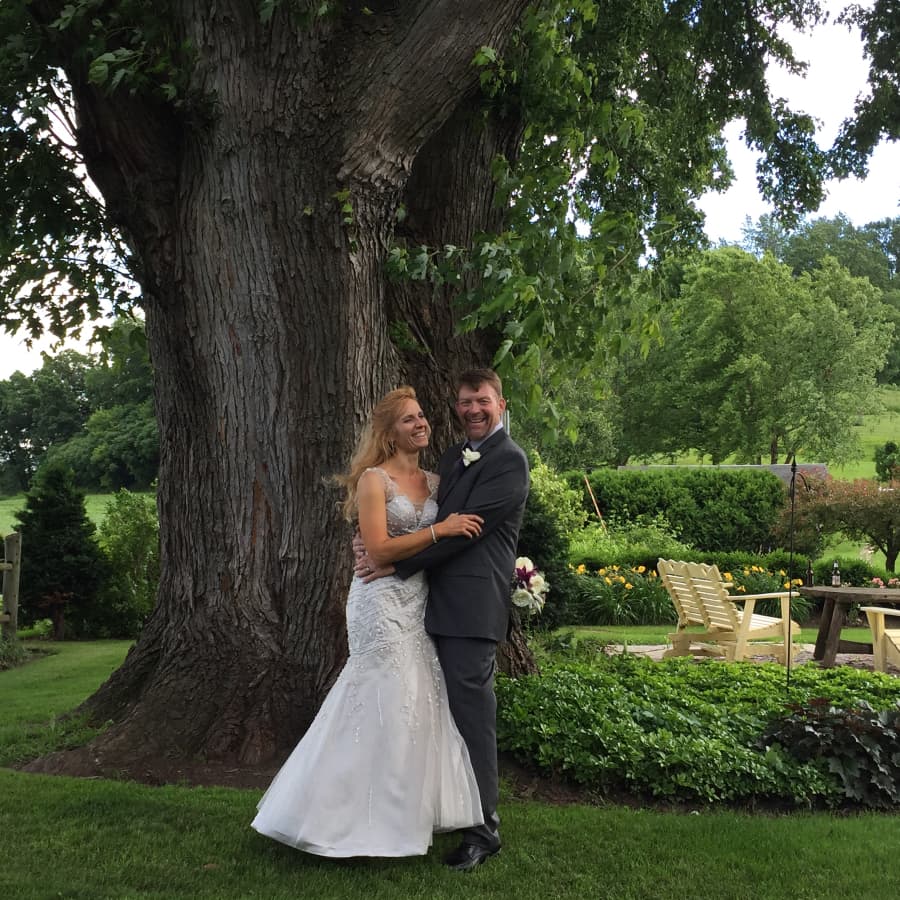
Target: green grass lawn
656, 634
9, 506
105, 840
873, 431
35, 694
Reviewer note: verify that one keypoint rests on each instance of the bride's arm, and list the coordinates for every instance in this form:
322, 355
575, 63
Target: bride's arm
381, 548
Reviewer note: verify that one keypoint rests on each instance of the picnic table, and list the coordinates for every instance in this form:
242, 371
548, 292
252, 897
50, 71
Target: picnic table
837, 600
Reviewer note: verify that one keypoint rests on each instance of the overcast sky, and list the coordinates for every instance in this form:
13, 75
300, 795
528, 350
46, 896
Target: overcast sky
836, 74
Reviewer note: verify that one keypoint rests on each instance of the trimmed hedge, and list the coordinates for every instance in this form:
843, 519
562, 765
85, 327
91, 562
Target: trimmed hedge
709, 508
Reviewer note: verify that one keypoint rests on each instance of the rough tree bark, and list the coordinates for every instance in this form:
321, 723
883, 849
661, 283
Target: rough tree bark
268, 322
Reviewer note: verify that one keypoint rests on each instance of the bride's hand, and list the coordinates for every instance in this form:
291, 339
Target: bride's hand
459, 525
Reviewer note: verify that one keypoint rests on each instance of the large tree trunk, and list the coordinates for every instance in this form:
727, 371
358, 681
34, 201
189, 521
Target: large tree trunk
269, 326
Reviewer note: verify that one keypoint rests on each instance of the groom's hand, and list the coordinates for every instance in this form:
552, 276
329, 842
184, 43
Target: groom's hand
365, 568
359, 548
379, 572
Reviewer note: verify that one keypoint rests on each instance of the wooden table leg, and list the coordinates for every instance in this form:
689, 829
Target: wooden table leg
834, 636
824, 627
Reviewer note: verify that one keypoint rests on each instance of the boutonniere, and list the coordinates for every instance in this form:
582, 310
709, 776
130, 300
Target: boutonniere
470, 456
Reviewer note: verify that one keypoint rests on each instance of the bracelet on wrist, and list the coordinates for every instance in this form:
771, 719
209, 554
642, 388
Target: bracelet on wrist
434, 539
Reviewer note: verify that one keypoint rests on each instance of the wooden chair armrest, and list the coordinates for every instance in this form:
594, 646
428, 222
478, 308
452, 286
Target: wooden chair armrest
777, 594
880, 609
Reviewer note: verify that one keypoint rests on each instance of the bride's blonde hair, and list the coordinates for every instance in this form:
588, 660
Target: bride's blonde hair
376, 443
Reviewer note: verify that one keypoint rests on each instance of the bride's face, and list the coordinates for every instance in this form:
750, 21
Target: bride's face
411, 430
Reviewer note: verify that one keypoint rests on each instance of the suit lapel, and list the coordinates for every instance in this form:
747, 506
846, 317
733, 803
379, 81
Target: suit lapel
458, 471
451, 473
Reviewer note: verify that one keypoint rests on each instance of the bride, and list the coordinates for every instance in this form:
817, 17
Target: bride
382, 766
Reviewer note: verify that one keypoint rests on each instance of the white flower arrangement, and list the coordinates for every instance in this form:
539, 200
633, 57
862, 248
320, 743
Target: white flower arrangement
469, 456
529, 587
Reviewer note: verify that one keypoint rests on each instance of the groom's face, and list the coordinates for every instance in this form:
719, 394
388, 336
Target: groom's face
479, 410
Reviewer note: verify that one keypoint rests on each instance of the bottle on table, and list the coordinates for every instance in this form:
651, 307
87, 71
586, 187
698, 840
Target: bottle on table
809, 574
835, 575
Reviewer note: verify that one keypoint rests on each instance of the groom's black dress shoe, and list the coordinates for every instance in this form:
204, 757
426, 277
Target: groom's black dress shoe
469, 856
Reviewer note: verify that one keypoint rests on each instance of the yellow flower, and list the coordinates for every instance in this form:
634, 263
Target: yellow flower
628, 585
787, 585
607, 580
641, 570
782, 573
601, 571
746, 571
727, 576
581, 569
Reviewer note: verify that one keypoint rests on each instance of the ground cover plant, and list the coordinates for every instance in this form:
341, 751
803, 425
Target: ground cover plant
680, 729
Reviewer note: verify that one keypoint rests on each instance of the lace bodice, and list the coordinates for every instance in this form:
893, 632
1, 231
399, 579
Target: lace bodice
403, 515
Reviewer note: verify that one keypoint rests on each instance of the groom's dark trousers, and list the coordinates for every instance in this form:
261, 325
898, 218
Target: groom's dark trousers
468, 603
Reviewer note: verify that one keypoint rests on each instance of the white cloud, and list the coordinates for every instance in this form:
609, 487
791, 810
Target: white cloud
16, 356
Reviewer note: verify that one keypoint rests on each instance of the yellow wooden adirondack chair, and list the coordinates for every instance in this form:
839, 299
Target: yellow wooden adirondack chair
674, 576
733, 627
885, 641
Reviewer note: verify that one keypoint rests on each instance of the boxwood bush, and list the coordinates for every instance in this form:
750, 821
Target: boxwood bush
716, 509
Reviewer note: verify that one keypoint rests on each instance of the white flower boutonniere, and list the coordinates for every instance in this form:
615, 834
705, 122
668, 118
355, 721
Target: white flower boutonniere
470, 456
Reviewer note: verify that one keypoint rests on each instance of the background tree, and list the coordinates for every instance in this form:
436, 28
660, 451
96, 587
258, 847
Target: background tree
264, 162
862, 510
870, 251
64, 568
757, 364
92, 413
40, 411
887, 462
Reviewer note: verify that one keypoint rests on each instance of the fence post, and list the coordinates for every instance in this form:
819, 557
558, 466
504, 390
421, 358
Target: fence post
11, 570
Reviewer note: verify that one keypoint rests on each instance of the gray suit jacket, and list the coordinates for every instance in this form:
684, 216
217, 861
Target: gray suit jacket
469, 580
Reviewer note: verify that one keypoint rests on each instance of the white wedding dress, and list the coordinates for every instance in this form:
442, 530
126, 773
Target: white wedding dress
382, 766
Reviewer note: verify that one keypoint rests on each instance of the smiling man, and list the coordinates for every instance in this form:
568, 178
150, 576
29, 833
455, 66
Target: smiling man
469, 585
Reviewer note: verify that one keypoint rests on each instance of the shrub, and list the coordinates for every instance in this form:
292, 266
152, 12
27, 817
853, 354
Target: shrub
39, 631
129, 537
678, 729
639, 543
708, 508
63, 569
12, 653
560, 500
543, 541
854, 571
755, 579
620, 596
858, 746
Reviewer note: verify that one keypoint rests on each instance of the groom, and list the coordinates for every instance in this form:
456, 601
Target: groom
469, 585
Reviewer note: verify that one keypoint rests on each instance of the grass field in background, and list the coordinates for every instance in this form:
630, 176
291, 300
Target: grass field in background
94, 503
873, 431
95, 839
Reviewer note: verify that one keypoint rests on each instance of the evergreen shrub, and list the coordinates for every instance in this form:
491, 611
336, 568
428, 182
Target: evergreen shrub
708, 508
63, 568
854, 571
